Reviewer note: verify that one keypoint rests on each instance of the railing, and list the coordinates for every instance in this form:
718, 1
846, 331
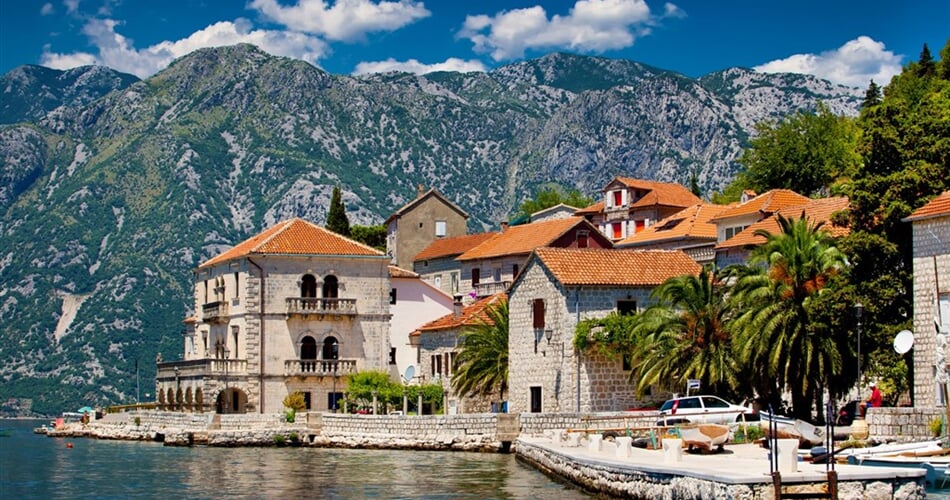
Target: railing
202, 367
311, 305
319, 367
485, 289
214, 311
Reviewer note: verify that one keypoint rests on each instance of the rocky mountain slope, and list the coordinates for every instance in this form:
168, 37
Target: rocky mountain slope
113, 189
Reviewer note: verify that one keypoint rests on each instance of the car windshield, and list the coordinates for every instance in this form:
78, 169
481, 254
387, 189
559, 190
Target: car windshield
667, 405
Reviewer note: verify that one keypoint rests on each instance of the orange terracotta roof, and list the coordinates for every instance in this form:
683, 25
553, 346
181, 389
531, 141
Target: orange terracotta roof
190, 320
449, 247
815, 211
594, 266
669, 194
689, 223
294, 237
766, 203
398, 272
419, 199
937, 207
524, 238
469, 316
596, 208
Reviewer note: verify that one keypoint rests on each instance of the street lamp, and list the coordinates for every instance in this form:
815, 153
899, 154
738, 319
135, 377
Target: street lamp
227, 391
858, 311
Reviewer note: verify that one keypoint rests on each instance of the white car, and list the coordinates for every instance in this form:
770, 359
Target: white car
703, 409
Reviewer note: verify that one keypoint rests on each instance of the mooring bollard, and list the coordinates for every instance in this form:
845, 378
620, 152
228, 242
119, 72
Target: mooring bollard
595, 442
624, 446
672, 450
787, 455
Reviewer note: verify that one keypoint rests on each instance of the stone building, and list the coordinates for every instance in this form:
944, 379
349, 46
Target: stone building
417, 224
751, 209
490, 267
557, 289
293, 308
437, 264
437, 344
931, 229
632, 205
689, 230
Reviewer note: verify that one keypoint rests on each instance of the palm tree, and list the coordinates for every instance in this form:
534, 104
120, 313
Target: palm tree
481, 366
684, 336
771, 301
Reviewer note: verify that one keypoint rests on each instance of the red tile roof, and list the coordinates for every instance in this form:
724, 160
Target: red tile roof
937, 207
669, 194
689, 223
470, 315
294, 237
815, 211
590, 266
398, 272
596, 208
450, 247
766, 204
524, 238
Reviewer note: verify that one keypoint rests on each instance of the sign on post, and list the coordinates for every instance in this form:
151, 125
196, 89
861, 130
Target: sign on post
691, 383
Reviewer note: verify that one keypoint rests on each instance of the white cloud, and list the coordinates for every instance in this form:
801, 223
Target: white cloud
72, 6
345, 20
47, 9
590, 26
118, 52
414, 66
855, 63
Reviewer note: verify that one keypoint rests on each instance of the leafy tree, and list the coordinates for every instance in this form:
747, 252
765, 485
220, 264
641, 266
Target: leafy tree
374, 236
685, 335
295, 401
361, 385
804, 152
481, 366
336, 215
550, 196
772, 300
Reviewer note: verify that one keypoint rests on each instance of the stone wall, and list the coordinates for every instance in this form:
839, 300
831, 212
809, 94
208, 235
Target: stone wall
903, 424
931, 272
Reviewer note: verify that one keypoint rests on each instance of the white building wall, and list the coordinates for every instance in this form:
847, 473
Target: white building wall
417, 303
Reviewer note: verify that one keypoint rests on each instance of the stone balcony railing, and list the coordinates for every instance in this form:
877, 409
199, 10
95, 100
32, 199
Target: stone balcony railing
311, 305
214, 367
485, 289
319, 367
214, 312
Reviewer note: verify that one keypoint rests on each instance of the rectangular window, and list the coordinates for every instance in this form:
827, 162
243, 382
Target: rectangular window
237, 285
392, 296
438, 281
537, 313
617, 230
451, 362
627, 307
496, 274
514, 271
476, 276
306, 399
440, 229
445, 364
535, 400
582, 237
639, 226
618, 198
455, 283
627, 366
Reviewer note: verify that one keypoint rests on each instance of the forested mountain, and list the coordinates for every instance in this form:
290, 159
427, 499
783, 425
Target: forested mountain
112, 189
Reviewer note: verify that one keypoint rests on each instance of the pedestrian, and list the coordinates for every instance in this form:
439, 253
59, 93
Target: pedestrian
875, 400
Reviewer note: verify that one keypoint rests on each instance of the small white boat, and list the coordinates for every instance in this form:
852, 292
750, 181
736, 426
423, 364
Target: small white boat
791, 428
704, 436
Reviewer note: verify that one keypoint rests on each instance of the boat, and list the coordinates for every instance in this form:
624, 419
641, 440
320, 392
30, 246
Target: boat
936, 478
791, 428
706, 437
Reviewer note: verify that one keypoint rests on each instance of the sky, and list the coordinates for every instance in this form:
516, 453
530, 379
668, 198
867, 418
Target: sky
846, 41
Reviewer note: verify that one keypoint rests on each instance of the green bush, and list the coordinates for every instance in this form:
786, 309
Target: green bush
290, 415
280, 440
936, 427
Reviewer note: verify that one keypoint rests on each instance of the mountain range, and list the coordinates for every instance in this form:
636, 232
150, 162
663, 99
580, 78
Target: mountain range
113, 189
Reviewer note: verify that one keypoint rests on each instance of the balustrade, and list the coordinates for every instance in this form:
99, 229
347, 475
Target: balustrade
313, 305
319, 367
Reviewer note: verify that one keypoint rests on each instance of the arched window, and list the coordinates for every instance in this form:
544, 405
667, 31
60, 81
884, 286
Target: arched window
331, 348
331, 287
308, 348
308, 286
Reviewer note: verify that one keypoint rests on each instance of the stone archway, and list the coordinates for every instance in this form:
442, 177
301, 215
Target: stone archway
232, 400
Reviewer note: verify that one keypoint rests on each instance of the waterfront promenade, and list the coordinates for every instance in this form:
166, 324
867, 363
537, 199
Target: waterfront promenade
739, 471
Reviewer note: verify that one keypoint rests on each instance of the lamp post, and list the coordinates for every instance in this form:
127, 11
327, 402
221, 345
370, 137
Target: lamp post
858, 311
227, 390
177, 387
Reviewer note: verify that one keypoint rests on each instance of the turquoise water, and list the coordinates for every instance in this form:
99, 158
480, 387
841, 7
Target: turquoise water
36, 466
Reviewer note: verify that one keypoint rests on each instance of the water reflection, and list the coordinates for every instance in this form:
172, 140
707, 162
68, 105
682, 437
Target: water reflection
36, 466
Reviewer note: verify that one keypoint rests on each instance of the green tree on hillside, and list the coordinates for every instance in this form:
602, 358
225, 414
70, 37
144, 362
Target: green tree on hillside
772, 321
481, 366
336, 215
550, 196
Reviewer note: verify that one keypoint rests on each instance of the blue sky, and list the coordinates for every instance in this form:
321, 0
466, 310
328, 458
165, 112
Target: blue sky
845, 41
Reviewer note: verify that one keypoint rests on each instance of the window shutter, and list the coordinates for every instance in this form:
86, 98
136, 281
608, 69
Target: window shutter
538, 311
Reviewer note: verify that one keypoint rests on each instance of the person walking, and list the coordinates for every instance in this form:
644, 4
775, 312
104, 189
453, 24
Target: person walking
876, 400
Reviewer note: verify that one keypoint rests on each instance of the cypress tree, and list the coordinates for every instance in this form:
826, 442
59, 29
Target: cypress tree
926, 65
336, 215
872, 97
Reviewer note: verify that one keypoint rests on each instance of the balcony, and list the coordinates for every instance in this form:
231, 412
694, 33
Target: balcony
210, 367
322, 306
319, 367
490, 288
215, 312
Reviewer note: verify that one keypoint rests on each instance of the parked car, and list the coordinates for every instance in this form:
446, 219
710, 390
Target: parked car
703, 409
848, 412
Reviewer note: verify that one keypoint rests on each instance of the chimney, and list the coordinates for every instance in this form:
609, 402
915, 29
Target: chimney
421, 191
504, 226
457, 307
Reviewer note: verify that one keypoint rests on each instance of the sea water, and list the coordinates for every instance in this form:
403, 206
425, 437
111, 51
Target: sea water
36, 466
